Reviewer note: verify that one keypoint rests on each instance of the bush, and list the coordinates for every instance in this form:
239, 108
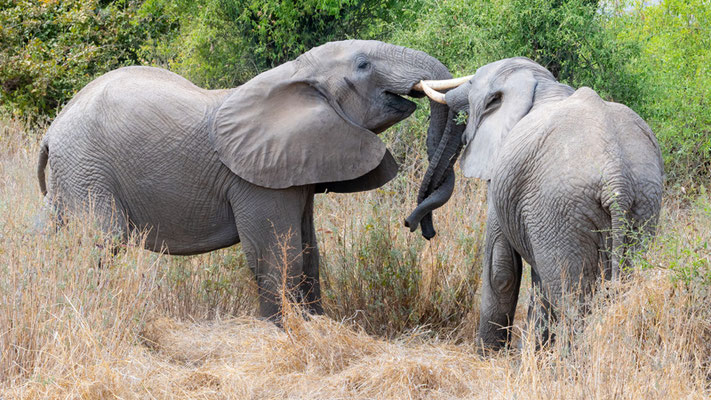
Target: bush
223, 43
387, 280
569, 38
676, 40
51, 49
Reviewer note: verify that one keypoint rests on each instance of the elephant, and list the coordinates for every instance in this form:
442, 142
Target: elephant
201, 169
573, 183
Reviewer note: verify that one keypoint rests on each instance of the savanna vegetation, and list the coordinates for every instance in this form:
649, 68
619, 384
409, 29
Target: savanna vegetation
401, 311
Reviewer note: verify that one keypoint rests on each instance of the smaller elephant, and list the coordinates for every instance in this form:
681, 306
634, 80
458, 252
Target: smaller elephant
572, 180
204, 169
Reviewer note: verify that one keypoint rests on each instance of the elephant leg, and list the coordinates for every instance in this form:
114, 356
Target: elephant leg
99, 204
269, 226
310, 286
566, 268
111, 220
540, 312
501, 281
109, 215
50, 216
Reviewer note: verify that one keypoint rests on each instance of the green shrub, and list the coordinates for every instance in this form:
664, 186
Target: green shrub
222, 43
676, 63
569, 38
51, 49
654, 58
388, 280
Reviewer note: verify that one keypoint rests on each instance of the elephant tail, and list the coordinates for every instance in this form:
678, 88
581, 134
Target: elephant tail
42, 164
620, 244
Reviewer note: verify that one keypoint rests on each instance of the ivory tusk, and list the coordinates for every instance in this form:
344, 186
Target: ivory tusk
432, 94
443, 84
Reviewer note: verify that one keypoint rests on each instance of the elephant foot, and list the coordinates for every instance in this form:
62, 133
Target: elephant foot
314, 309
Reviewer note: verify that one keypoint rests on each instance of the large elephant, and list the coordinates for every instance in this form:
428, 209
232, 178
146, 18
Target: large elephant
205, 169
572, 180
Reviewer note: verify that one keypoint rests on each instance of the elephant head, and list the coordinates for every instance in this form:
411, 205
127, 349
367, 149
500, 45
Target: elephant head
315, 120
498, 96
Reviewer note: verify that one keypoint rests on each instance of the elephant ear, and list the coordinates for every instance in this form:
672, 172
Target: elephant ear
386, 170
517, 95
278, 131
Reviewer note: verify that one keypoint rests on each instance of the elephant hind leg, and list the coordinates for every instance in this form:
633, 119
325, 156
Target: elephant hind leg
98, 207
50, 217
541, 313
631, 228
563, 278
501, 281
103, 209
110, 218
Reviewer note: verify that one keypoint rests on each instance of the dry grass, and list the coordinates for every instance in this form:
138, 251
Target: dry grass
152, 326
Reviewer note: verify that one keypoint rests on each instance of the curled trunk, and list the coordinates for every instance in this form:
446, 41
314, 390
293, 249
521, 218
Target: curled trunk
423, 212
438, 183
443, 135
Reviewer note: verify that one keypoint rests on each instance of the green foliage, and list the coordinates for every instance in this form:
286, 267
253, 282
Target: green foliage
50, 49
459, 33
222, 43
213, 284
684, 245
570, 39
461, 118
379, 277
652, 57
675, 62
567, 37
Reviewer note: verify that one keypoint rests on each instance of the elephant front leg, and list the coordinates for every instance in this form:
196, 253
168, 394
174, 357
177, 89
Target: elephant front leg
501, 281
269, 225
277, 267
310, 286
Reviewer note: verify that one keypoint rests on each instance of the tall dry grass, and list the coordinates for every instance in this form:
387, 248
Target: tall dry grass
401, 311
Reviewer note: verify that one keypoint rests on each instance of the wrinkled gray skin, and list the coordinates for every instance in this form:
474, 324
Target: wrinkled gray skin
567, 171
205, 169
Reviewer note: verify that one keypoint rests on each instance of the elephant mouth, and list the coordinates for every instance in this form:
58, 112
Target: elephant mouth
396, 108
416, 94
400, 103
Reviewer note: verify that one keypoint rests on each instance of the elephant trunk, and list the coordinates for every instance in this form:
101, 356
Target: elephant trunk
423, 213
443, 146
443, 135
409, 68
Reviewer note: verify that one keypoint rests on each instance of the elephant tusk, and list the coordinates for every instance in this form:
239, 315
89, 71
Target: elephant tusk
443, 84
433, 94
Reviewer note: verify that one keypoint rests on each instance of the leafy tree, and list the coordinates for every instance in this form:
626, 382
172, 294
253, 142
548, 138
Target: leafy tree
222, 43
569, 37
675, 36
49, 49
654, 57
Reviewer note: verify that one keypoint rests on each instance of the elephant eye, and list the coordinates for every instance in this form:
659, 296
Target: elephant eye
363, 64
